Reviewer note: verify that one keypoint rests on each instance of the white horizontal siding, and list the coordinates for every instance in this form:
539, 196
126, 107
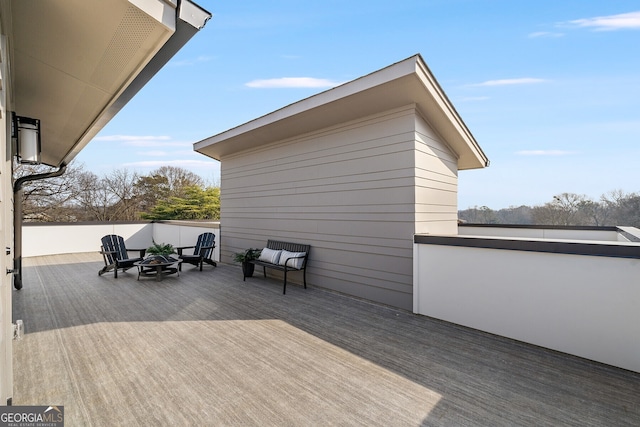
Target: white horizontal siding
436, 184
350, 192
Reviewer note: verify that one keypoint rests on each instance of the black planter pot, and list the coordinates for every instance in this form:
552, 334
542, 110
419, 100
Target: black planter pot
247, 269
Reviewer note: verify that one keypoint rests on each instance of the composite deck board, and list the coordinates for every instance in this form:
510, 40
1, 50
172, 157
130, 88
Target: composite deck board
206, 348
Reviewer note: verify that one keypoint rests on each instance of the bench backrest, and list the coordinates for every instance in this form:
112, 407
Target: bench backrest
291, 247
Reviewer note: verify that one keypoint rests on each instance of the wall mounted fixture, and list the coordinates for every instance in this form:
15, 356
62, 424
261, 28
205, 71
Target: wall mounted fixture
27, 132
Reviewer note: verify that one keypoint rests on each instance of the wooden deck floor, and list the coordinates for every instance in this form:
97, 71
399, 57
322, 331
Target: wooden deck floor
206, 349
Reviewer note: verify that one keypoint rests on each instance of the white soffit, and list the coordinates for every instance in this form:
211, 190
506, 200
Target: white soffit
76, 63
403, 83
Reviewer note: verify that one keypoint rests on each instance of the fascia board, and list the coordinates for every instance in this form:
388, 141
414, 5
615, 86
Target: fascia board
314, 102
451, 126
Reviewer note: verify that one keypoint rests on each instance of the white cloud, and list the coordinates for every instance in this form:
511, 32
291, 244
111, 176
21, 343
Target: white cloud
622, 21
292, 82
544, 153
153, 153
507, 82
545, 34
188, 152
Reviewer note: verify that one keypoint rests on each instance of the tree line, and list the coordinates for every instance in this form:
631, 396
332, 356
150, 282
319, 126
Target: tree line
123, 195
171, 192
566, 209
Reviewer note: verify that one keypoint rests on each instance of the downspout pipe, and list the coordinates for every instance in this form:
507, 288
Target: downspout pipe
17, 219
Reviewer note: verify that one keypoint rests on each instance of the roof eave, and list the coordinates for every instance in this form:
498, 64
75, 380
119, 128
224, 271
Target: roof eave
190, 19
74, 65
403, 83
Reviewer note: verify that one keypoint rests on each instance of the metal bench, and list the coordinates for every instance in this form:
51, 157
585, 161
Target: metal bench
286, 264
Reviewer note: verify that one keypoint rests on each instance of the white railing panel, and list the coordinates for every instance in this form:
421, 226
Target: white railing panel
539, 233
51, 239
577, 304
186, 234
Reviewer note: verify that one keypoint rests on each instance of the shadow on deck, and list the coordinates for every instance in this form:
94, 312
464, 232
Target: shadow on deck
206, 348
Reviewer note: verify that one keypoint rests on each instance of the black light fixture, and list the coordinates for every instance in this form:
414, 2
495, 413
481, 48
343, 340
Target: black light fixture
27, 133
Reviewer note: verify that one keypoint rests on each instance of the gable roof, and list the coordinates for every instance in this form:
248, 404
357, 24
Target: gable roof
403, 83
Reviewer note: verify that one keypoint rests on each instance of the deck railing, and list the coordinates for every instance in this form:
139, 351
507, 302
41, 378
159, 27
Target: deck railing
575, 296
60, 238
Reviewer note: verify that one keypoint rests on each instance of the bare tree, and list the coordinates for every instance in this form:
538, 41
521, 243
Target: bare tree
178, 180
164, 183
478, 215
594, 213
120, 187
515, 215
95, 200
122, 195
564, 209
624, 208
49, 199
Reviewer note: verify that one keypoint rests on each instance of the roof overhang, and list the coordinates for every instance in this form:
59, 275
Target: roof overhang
76, 63
403, 83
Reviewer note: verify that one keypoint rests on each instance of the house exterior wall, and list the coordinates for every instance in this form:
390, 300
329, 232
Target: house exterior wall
6, 232
350, 192
436, 183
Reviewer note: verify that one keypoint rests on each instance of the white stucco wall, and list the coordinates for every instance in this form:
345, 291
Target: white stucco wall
577, 304
50, 239
540, 233
38, 240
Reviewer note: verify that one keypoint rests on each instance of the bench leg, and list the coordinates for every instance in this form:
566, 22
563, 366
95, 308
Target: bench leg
284, 288
264, 271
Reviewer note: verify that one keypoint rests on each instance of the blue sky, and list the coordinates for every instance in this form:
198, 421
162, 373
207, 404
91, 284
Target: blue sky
549, 89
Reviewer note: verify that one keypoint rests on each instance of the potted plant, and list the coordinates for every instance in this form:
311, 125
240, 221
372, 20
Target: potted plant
160, 250
244, 258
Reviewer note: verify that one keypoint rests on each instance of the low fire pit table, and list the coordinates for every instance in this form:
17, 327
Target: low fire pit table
158, 266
